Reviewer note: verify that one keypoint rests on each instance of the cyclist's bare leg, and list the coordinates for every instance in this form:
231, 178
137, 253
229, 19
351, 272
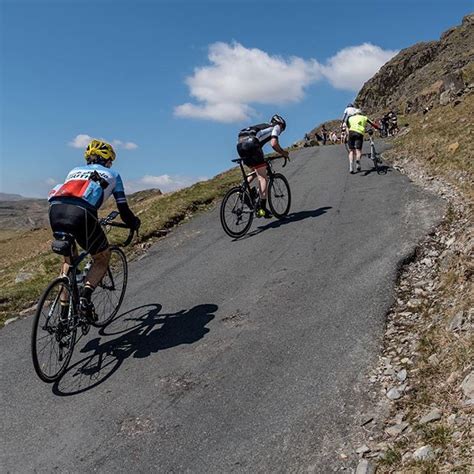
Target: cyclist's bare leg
100, 262
64, 297
351, 160
251, 176
358, 154
262, 181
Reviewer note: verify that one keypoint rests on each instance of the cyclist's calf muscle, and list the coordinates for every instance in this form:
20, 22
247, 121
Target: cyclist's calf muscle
98, 269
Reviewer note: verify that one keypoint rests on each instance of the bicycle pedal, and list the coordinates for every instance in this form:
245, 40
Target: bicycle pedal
85, 328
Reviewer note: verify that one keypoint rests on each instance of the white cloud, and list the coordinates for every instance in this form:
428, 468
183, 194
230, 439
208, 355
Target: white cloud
82, 140
353, 66
164, 182
124, 145
219, 112
239, 76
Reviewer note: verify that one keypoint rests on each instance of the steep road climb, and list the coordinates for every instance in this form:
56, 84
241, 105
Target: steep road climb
245, 356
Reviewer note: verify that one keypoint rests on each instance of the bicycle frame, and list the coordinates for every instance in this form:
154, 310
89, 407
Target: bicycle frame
373, 153
246, 183
77, 259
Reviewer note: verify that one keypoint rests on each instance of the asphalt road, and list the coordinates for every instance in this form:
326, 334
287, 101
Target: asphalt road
229, 356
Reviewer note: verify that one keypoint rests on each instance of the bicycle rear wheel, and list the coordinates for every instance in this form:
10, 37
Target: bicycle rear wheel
279, 196
109, 294
53, 337
236, 212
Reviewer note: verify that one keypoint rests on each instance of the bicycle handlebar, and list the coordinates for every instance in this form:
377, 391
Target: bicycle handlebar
108, 221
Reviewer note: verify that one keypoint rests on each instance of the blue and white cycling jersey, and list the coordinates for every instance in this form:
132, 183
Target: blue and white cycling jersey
79, 185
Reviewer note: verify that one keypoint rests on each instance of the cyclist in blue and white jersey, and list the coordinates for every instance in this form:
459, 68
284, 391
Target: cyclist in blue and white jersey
73, 209
250, 148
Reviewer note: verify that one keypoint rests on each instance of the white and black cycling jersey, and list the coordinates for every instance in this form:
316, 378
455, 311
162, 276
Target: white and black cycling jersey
263, 132
349, 112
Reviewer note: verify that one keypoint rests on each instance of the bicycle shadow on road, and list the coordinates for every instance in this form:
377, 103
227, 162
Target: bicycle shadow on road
383, 169
139, 333
289, 219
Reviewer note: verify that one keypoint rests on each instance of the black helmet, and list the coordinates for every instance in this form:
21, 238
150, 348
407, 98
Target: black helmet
350, 105
278, 119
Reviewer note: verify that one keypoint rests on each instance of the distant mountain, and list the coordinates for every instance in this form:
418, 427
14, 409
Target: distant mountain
11, 197
23, 213
20, 213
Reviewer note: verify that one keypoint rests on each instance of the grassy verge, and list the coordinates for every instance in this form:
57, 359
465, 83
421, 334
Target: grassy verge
442, 142
27, 263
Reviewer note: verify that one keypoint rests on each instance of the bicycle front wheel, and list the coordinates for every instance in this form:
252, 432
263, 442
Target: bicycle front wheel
279, 196
54, 332
236, 212
109, 294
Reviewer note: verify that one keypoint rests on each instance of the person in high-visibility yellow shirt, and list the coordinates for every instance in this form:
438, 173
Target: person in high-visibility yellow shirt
357, 124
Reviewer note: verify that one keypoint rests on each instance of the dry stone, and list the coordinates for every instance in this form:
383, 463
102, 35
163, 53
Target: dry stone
366, 467
467, 385
433, 415
425, 453
453, 147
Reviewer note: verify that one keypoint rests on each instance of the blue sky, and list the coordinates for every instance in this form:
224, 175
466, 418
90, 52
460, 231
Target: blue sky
123, 70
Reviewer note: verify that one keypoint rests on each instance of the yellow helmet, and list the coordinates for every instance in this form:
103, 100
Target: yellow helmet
101, 149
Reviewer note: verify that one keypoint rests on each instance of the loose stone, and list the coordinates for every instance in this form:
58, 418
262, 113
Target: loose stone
394, 393
433, 415
365, 467
425, 453
467, 385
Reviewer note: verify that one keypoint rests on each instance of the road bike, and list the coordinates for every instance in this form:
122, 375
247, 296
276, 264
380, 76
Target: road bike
374, 156
55, 329
241, 203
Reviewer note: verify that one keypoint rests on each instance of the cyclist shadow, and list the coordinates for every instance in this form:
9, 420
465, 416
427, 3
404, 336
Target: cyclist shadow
289, 219
383, 169
139, 333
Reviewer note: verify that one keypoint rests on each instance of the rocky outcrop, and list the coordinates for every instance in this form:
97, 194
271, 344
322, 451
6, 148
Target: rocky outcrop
424, 75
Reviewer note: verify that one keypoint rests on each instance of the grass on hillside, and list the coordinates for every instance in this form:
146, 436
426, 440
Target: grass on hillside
29, 252
443, 141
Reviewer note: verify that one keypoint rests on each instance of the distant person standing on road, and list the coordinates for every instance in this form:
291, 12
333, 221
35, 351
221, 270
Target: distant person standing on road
324, 133
357, 124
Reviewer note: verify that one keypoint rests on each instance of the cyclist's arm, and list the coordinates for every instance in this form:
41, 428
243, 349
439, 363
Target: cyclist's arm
344, 119
126, 213
276, 146
373, 124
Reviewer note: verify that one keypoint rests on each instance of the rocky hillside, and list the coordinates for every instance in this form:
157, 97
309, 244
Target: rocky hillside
24, 214
424, 75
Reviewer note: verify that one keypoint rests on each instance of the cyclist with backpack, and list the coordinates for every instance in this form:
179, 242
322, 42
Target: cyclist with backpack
251, 141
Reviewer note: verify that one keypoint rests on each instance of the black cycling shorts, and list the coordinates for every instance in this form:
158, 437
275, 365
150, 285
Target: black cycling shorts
81, 223
250, 150
355, 141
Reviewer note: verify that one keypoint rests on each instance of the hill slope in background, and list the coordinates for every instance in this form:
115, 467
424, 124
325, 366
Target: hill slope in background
20, 213
10, 197
424, 75
24, 214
